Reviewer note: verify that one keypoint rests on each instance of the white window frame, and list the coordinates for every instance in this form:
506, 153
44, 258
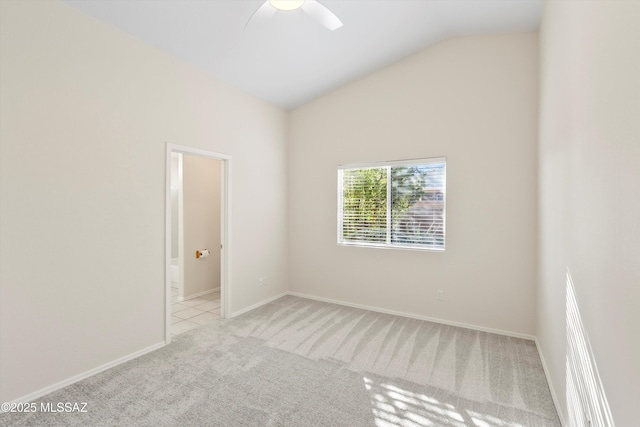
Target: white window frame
389, 165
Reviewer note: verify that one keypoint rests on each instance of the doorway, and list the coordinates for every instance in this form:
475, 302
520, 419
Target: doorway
197, 238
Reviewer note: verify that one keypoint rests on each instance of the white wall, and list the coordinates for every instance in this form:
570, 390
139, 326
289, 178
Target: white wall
471, 99
201, 186
176, 188
589, 187
85, 112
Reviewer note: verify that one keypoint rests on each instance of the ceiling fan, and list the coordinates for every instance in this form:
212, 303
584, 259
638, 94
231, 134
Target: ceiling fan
313, 8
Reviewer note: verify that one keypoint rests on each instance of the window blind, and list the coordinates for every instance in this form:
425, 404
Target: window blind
396, 204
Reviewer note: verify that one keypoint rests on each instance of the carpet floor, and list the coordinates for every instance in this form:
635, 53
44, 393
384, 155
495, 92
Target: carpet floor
299, 362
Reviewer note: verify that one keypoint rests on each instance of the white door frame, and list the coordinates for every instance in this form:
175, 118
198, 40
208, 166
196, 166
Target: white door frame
225, 228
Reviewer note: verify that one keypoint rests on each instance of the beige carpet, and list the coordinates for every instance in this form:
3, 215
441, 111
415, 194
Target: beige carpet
298, 362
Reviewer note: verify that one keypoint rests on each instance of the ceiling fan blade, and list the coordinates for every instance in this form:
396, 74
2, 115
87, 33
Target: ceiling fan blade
261, 14
321, 14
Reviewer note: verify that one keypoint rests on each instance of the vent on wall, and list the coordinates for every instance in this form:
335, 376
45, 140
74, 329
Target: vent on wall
586, 401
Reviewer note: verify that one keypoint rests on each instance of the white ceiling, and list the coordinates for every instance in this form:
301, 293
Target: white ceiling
291, 59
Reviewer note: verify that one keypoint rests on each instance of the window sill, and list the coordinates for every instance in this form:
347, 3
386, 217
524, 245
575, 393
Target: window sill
385, 246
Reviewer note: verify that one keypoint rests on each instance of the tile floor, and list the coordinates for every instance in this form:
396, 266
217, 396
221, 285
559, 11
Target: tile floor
190, 314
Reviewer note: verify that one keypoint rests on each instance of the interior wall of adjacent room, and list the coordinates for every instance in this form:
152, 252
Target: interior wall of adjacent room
471, 99
589, 186
201, 185
86, 112
176, 189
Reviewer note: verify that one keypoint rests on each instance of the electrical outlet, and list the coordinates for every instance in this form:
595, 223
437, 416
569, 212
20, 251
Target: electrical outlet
262, 281
440, 295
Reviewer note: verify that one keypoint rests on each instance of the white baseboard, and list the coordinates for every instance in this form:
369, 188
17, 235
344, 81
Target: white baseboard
415, 316
57, 386
199, 294
554, 396
256, 305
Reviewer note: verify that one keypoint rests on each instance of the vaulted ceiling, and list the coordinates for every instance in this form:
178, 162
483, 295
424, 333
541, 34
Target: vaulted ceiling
291, 59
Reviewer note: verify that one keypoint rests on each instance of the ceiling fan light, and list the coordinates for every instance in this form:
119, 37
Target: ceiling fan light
286, 4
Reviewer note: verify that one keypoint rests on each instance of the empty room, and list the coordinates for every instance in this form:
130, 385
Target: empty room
320, 213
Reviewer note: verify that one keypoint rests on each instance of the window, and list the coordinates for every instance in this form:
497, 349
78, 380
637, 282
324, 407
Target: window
393, 204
